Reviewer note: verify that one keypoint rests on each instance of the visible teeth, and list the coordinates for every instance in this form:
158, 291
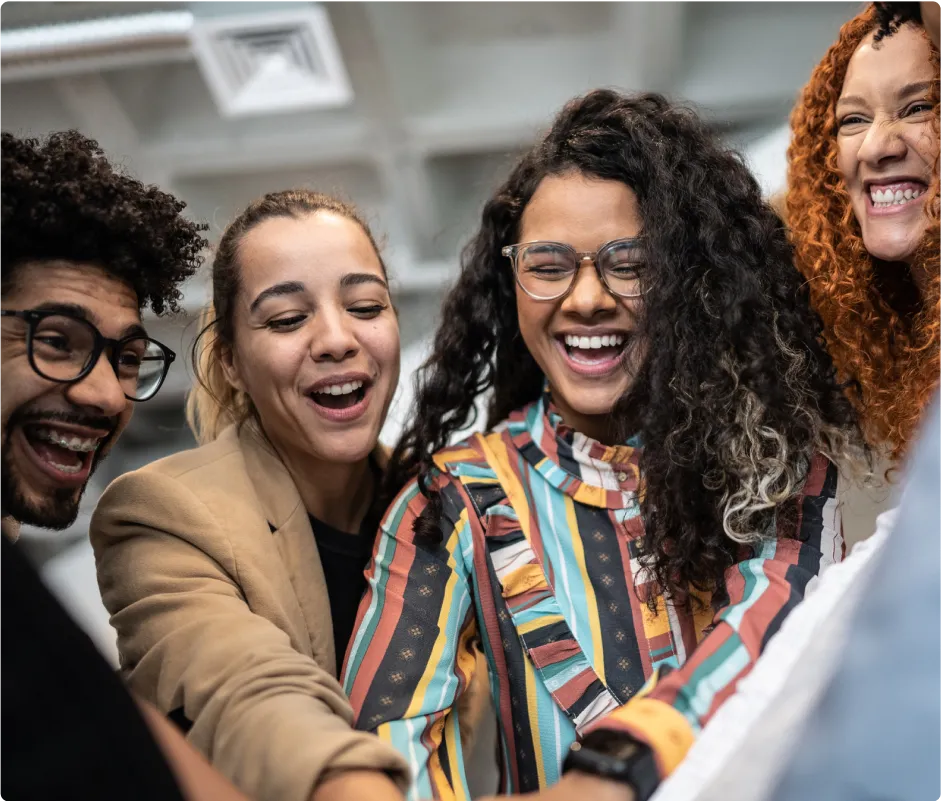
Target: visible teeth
340, 389
592, 343
65, 468
884, 198
78, 444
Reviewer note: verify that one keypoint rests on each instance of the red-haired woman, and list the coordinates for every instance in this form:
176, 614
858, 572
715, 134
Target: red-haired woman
863, 210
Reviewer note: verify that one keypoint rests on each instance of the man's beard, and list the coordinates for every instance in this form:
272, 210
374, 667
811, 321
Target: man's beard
56, 509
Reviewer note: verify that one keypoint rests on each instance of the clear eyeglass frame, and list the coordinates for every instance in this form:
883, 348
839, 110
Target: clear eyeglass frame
514, 252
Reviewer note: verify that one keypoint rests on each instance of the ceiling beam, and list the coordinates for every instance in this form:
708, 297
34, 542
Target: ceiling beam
402, 171
100, 115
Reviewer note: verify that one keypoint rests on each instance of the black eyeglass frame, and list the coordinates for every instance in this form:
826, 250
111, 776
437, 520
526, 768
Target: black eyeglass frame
512, 253
101, 342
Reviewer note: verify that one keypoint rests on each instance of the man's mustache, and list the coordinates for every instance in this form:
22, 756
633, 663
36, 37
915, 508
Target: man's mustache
37, 417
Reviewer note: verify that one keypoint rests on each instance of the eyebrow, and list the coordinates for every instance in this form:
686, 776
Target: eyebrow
277, 290
356, 279
74, 310
905, 91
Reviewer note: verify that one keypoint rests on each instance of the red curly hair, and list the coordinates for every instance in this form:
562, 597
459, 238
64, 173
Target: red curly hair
888, 353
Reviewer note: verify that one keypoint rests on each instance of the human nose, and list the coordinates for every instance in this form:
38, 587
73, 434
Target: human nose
883, 141
100, 390
588, 295
333, 338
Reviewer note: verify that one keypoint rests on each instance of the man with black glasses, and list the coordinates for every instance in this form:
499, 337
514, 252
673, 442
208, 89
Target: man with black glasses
85, 249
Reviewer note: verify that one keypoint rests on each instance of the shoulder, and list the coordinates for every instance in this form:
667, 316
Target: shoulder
199, 464
191, 490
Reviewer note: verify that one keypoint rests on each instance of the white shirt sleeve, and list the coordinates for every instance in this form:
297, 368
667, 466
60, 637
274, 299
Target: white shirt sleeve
744, 747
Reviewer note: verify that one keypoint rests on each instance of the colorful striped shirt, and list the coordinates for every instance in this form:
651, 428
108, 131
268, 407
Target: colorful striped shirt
539, 564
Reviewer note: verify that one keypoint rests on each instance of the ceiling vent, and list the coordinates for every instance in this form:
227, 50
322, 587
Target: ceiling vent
273, 62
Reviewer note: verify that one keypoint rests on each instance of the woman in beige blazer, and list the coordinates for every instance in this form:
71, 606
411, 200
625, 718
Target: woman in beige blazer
207, 560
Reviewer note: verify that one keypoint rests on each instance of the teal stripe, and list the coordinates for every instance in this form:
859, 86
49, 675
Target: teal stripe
378, 582
503, 510
756, 582
443, 685
559, 554
558, 674
470, 470
712, 676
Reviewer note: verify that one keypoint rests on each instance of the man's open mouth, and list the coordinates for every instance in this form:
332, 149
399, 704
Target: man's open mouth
63, 452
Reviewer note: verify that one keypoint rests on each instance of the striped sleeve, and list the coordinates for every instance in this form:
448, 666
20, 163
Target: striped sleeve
671, 709
412, 655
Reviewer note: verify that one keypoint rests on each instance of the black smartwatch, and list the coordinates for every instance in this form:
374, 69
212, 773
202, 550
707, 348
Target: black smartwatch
618, 757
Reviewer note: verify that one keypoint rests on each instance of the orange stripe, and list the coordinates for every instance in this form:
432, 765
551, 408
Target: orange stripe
659, 725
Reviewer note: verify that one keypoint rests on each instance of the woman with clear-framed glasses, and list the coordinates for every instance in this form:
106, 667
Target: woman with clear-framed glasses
656, 483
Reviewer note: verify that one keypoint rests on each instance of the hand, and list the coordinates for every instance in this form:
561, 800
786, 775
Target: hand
577, 786
357, 785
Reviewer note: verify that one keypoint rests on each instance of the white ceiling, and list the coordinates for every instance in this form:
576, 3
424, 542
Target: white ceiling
444, 96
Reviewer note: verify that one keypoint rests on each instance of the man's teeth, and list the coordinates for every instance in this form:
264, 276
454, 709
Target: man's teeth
591, 343
884, 198
340, 389
79, 444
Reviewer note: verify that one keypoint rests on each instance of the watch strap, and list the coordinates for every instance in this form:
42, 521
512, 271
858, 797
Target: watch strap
635, 766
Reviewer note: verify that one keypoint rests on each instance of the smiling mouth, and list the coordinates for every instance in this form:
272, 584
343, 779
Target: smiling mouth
886, 196
594, 351
340, 396
65, 456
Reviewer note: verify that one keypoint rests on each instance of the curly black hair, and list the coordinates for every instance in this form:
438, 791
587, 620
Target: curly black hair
892, 16
62, 199
739, 393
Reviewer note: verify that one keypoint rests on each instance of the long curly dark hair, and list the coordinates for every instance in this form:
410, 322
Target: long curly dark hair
739, 392
62, 199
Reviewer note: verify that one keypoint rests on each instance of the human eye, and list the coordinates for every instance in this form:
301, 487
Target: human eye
852, 119
547, 262
918, 107
287, 323
368, 311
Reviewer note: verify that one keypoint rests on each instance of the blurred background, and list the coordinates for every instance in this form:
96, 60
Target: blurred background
413, 111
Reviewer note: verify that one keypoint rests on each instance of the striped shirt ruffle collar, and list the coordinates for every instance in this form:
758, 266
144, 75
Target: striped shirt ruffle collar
607, 476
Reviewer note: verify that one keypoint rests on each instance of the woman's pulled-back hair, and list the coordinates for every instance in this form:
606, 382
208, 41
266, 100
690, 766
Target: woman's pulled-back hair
884, 340
213, 404
737, 392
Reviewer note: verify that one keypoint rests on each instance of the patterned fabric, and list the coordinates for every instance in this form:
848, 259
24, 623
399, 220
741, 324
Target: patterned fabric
541, 534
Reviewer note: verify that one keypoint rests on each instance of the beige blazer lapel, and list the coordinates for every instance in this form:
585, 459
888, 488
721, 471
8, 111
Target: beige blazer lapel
294, 538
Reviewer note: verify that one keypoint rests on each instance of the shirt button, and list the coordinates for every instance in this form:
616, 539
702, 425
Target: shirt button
622, 476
